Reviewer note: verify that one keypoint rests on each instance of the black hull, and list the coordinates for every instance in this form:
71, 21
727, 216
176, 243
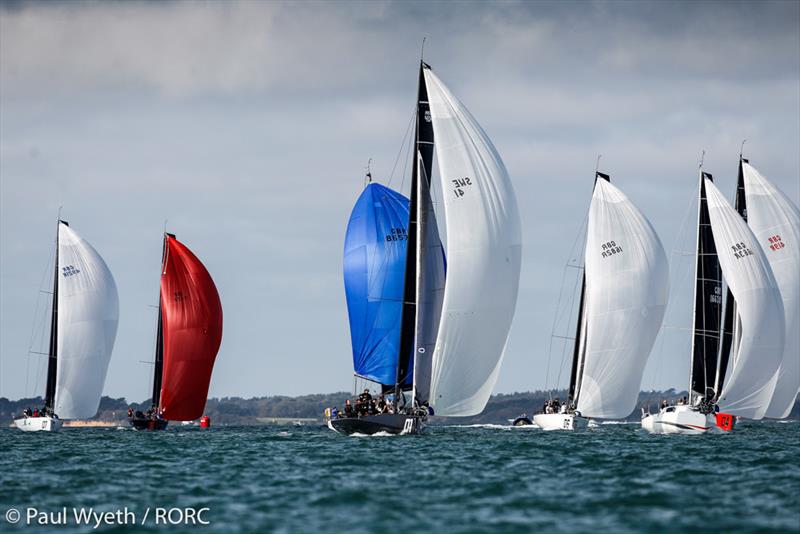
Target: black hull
522, 421
372, 424
148, 424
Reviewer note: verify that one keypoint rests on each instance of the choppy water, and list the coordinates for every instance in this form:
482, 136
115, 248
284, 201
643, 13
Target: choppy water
612, 478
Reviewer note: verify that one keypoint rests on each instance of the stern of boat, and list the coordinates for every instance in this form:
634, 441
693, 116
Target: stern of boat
39, 424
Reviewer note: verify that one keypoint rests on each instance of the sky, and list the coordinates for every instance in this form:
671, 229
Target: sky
247, 128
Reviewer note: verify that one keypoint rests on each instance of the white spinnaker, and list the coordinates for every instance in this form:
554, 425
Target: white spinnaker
483, 258
748, 389
775, 221
627, 288
88, 312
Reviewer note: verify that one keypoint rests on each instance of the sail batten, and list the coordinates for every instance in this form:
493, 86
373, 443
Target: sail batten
707, 303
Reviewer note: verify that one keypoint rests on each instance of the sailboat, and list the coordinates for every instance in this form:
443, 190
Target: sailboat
775, 222
722, 386
622, 302
189, 333
419, 324
83, 327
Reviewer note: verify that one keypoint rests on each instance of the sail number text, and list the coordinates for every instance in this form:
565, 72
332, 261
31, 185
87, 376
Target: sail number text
610, 248
460, 185
69, 270
397, 234
740, 250
776, 243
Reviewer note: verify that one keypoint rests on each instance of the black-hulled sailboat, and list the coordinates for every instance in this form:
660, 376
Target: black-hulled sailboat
189, 333
83, 327
430, 341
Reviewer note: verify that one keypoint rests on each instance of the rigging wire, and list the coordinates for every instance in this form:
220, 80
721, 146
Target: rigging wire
569, 265
675, 271
38, 324
406, 137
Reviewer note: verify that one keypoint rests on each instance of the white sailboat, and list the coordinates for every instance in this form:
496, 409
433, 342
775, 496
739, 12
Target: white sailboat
623, 299
453, 326
83, 328
775, 221
727, 248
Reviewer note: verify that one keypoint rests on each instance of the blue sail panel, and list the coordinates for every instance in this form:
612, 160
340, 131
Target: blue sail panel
374, 265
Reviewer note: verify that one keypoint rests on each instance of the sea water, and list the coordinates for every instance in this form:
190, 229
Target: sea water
610, 478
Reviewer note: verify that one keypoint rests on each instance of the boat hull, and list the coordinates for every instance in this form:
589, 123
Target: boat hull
685, 420
373, 424
39, 424
145, 423
560, 421
522, 421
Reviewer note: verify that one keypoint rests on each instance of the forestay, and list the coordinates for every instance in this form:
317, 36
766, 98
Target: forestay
749, 388
627, 287
775, 221
88, 313
483, 258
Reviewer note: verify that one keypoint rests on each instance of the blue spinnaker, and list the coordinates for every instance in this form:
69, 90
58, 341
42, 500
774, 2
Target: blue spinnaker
374, 266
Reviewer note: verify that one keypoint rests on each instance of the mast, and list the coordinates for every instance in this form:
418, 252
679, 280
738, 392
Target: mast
423, 150
730, 322
580, 350
159, 358
52, 361
707, 310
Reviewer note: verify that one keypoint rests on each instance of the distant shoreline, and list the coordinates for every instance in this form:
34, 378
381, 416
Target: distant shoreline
309, 409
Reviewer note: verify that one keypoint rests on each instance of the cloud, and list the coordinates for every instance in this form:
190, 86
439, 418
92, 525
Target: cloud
248, 124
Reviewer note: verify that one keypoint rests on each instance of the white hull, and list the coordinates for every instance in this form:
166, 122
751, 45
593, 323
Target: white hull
680, 420
560, 421
39, 424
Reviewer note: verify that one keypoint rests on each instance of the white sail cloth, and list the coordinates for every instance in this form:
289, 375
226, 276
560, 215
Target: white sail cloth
627, 288
88, 312
748, 389
483, 258
775, 221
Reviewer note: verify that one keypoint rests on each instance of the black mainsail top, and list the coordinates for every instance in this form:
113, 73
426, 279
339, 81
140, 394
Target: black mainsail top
707, 305
729, 326
52, 360
580, 347
422, 154
158, 368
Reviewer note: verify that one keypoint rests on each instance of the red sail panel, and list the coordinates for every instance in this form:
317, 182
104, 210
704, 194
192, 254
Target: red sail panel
192, 325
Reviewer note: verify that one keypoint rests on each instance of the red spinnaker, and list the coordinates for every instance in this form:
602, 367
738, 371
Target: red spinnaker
192, 325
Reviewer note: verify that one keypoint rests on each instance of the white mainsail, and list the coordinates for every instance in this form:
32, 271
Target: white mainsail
748, 390
483, 258
775, 221
88, 312
627, 288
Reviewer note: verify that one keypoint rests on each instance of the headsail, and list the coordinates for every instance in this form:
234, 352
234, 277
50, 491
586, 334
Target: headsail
627, 286
749, 388
374, 262
483, 257
88, 313
775, 221
192, 330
